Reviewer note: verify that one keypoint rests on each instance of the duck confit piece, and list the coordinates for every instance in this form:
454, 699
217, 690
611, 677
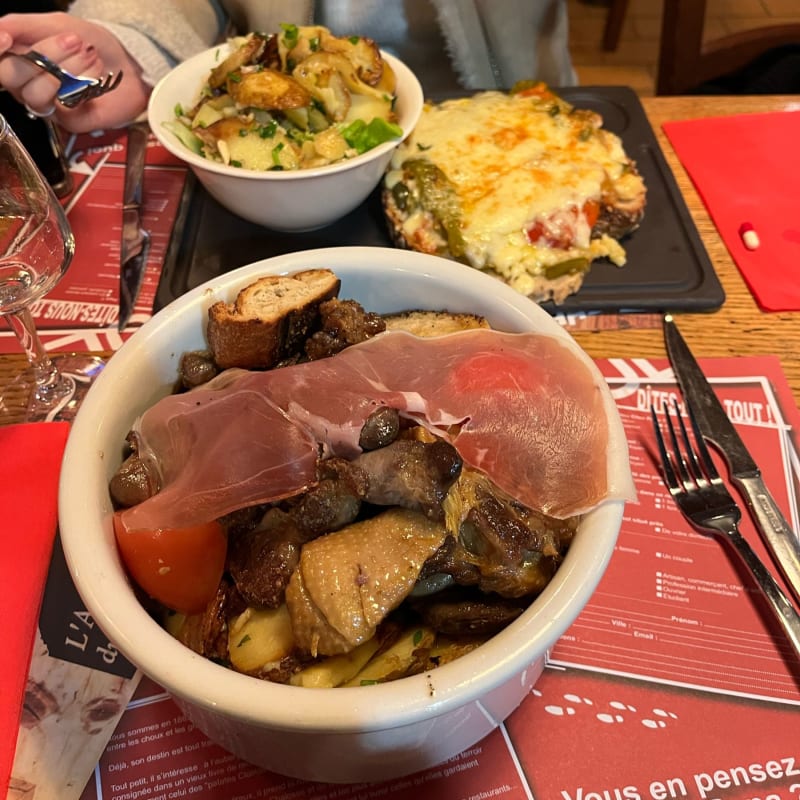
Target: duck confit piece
348, 581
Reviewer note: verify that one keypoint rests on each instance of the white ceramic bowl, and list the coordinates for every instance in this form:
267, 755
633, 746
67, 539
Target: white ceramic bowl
296, 200
357, 734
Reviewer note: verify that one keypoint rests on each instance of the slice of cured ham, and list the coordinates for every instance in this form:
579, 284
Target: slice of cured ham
218, 451
529, 410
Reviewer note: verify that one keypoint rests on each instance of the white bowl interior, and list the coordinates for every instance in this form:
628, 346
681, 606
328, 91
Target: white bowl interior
144, 369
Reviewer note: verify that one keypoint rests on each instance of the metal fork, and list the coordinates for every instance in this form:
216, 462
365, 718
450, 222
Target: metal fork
74, 89
703, 498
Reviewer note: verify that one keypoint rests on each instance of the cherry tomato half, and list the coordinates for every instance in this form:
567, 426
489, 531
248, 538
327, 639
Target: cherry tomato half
179, 567
559, 229
591, 210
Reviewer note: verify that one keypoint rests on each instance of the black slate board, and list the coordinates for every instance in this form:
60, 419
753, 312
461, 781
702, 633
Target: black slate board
667, 269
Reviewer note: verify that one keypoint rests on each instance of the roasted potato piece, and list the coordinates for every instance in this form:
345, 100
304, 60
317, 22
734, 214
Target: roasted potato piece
299, 42
207, 632
368, 107
243, 144
319, 75
250, 51
259, 639
336, 670
360, 51
320, 64
267, 89
407, 656
330, 144
388, 82
333, 81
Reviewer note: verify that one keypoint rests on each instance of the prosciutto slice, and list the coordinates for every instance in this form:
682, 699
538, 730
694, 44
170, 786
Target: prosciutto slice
529, 410
215, 452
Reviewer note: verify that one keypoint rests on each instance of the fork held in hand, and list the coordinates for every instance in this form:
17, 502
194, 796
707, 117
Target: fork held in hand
74, 89
703, 498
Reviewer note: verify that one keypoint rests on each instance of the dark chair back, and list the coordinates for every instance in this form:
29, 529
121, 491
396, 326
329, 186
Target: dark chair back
686, 60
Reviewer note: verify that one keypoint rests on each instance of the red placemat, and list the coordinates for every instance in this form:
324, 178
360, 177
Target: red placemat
88, 294
30, 463
746, 169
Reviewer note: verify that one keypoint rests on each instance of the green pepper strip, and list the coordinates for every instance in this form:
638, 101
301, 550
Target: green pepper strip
571, 266
438, 196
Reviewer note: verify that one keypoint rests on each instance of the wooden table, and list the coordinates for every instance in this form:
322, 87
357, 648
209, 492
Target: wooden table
738, 328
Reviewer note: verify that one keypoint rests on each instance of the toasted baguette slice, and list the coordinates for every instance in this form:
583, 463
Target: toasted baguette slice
269, 320
433, 323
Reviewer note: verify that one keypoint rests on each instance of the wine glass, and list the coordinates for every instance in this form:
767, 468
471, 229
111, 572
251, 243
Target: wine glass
36, 247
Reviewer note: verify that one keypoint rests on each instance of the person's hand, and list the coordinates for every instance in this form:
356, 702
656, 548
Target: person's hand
81, 47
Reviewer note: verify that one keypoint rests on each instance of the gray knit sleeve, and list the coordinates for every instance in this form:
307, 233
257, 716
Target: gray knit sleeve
156, 33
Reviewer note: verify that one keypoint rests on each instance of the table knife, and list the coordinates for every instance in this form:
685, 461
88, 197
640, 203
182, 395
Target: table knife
135, 243
717, 429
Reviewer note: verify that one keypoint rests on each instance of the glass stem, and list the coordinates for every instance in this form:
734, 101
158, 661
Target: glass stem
51, 385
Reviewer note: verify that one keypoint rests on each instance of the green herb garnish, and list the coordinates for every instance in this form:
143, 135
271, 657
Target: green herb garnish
268, 131
290, 34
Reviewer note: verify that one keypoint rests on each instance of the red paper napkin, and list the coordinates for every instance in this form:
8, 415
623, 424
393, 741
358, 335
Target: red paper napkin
747, 170
30, 461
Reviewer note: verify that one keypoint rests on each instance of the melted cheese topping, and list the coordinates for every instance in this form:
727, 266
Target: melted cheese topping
513, 160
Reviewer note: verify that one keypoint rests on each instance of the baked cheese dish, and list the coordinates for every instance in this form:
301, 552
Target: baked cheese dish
520, 183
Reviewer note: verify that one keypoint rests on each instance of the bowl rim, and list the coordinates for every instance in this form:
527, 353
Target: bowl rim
412, 96
146, 644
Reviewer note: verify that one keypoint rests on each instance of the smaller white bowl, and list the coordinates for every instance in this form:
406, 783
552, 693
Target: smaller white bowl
296, 200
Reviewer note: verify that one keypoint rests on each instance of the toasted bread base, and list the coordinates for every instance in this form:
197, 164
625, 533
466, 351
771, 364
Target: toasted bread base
433, 323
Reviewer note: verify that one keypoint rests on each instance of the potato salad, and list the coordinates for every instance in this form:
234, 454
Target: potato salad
297, 99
